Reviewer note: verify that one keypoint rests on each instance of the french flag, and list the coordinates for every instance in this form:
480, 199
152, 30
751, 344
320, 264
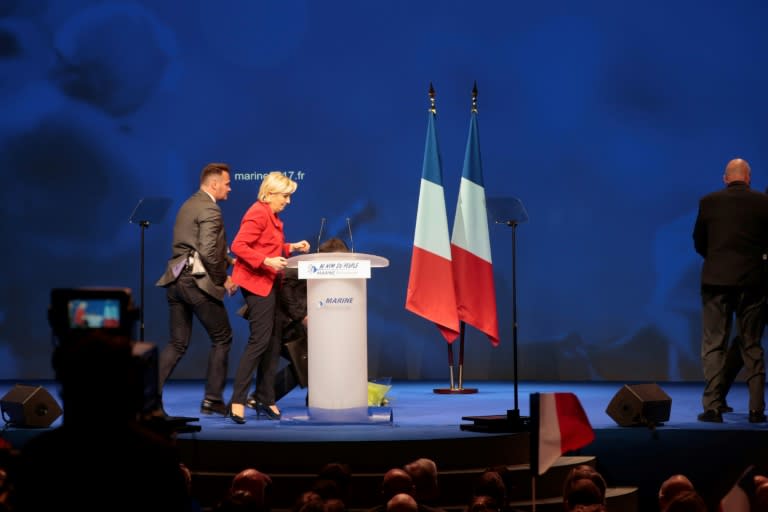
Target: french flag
470, 244
431, 292
558, 425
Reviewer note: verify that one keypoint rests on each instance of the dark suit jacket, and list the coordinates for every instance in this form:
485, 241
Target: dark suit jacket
293, 296
199, 227
731, 233
292, 308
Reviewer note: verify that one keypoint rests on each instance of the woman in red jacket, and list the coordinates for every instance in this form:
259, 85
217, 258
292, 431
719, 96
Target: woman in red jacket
261, 252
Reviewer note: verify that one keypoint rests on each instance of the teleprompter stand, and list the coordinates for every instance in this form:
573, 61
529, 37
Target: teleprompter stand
511, 212
149, 210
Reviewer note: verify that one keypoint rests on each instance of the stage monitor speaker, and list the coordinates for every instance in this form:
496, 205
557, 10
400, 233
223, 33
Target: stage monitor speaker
29, 406
640, 405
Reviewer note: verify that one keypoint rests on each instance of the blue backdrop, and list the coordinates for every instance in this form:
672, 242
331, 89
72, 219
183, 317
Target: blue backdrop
607, 119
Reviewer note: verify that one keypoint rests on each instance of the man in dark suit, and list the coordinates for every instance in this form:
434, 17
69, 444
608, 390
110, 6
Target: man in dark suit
196, 281
731, 233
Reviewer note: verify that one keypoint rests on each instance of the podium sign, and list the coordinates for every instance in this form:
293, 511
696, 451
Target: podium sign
337, 329
335, 269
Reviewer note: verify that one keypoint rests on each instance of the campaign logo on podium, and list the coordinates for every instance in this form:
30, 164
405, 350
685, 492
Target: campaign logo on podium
335, 269
335, 301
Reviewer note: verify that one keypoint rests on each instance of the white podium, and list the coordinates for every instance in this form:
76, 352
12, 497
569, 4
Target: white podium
337, 328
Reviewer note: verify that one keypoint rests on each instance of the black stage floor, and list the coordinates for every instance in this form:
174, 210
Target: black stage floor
428, 424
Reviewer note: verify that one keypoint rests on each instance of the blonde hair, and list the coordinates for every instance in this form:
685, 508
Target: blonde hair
276, 183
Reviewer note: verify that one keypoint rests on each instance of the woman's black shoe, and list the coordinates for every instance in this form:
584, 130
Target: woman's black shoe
237, 419
267, 411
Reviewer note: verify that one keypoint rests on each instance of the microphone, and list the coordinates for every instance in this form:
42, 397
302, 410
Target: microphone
351, 242
320, 234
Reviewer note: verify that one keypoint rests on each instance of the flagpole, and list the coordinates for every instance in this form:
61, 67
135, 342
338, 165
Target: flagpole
456, 389
461, 358
453, 389
450, 363
460, 389
431, 289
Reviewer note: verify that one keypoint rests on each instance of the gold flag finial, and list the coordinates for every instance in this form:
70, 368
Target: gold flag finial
432, 99
474, 98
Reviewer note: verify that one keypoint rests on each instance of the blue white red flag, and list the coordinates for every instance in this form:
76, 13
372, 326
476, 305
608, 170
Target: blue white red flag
558, 425
471, 247
431, 291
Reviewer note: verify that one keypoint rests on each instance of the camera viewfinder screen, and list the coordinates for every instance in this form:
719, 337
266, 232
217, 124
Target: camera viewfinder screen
94, 313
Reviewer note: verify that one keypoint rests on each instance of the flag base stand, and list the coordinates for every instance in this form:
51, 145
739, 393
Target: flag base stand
455, 388
455, 391
511, 422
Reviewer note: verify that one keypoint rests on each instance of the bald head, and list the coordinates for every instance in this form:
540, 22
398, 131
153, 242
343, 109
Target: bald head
737, 170
253, 481
396, 481
402, 502
671, 487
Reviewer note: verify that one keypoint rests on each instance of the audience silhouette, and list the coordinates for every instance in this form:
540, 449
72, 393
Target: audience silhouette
490, 484
688, 501
250, 490
671, 487
423, 473
402, 502
121, 464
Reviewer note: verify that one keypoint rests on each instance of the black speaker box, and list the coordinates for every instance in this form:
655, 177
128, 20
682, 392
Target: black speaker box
29, 406
640, 405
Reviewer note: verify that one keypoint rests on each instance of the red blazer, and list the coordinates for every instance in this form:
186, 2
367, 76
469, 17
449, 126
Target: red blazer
260, 236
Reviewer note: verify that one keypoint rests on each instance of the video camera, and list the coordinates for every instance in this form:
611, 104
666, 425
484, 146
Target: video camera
77, 314
75, 311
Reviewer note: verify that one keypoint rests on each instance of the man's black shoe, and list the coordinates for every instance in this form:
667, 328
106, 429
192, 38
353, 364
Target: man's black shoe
712, 416
757, 417
725, 408
157, 413
213, 407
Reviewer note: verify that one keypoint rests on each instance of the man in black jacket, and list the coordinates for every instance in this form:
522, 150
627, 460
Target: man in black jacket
731, 234
196, 283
